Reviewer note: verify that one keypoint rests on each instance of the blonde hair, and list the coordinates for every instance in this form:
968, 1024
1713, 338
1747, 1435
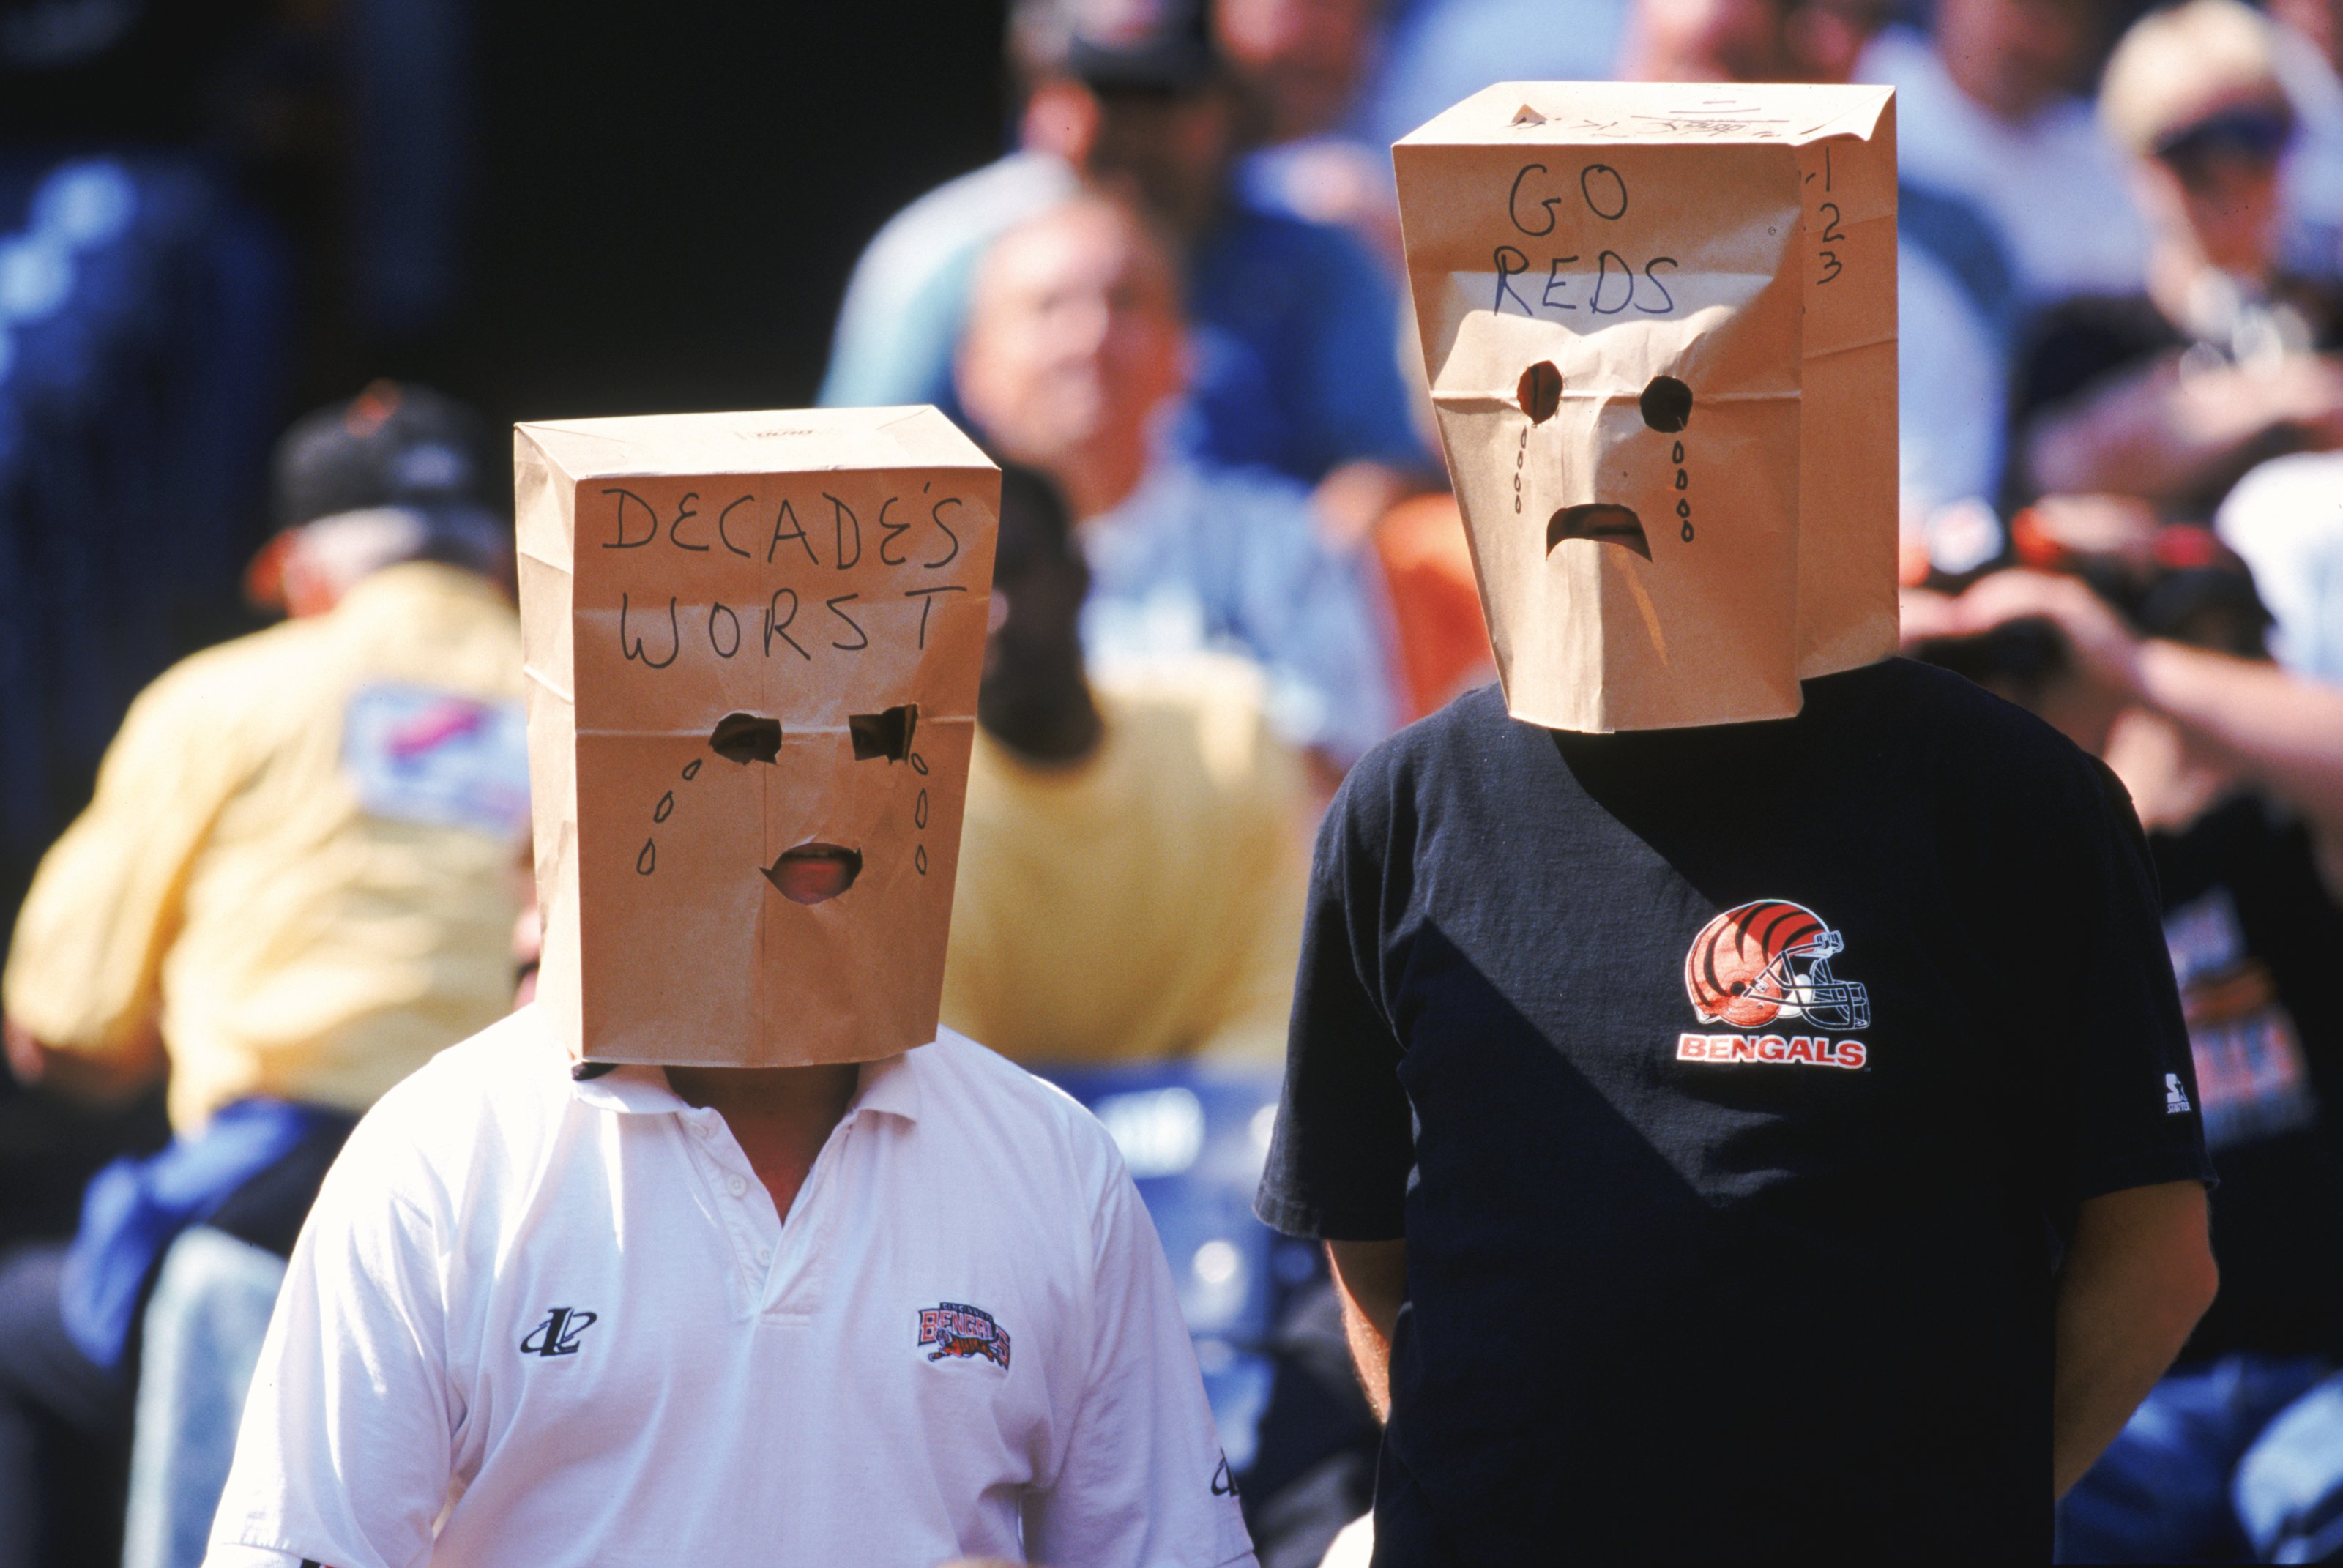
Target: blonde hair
2174, 65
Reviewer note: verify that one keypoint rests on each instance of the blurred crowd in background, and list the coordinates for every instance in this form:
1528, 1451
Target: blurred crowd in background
1160, 280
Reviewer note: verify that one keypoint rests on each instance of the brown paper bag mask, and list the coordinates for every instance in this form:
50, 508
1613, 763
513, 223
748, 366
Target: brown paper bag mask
1659, 323
753, 643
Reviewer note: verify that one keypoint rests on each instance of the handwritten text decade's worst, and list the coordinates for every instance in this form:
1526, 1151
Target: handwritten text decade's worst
796, 543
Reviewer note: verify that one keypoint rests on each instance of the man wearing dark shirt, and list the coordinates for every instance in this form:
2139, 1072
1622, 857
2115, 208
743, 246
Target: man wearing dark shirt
1691, 1277
1768, 1130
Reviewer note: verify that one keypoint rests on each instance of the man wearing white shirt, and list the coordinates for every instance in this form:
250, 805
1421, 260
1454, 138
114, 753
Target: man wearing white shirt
1075, 354
570, 1318
720, 1250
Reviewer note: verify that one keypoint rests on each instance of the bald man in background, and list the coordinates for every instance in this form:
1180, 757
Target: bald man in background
1076, 357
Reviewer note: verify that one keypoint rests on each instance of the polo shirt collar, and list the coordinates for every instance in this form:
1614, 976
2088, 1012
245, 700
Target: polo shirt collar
888, 1087
636, 1088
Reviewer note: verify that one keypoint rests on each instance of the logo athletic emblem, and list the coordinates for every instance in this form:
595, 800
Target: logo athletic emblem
558, 1335
1770, 961
960, 1331
1764, 963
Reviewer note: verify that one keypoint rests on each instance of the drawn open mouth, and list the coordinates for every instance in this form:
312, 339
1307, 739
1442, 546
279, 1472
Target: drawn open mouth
811, 873
1601, 522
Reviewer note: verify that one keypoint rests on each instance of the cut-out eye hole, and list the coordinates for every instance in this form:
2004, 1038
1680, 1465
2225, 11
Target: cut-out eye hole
1540, 391
1666, 404
744, 738
887, 734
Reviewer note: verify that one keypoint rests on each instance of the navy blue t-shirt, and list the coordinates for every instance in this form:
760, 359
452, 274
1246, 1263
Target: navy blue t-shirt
1731, 1088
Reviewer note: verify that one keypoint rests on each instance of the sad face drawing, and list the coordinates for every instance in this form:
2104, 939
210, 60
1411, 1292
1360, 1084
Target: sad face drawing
773, 652
1667, 415
815, 871
1665, 405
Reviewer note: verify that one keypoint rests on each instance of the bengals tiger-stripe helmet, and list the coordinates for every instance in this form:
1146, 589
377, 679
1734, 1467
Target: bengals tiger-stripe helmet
1771, 961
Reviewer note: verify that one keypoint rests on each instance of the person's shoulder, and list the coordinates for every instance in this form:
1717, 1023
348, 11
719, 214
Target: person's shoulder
406, 590
1899, 693
2069, 128
1259, 224
1013, 175
225, 667
1458, 742
1258, 232
244, 676
970, 1074
423, 621
1902, 57
965, 209
1966, 735
517, 1054
502, 1089
1462, 730
983, 1095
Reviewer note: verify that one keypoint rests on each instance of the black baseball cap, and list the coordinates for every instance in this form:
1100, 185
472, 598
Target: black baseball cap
1156, 46
392, 445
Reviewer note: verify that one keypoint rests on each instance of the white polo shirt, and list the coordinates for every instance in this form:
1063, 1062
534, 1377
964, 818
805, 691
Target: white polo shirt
537, 1321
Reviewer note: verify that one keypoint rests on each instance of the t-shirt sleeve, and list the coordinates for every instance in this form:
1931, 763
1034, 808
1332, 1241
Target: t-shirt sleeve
1142, 1480
1344, 1146
2126, 1112
347, 1446
896, 331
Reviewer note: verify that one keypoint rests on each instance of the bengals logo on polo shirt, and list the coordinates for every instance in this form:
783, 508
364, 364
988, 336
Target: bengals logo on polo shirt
1768, 963
960, 1331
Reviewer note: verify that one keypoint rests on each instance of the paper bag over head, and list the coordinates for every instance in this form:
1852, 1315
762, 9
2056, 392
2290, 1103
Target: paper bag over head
1659, 323
753, 645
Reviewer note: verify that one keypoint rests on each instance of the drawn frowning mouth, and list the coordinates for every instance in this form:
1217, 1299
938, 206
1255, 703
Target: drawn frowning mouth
1601, 522
811, 873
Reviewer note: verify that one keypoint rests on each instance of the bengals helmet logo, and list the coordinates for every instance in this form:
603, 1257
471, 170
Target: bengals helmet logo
1768, 960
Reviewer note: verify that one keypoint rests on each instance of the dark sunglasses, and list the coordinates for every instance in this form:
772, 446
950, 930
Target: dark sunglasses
2240, 135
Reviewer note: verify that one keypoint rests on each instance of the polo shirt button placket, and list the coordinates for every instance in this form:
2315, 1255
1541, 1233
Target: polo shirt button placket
739, 1223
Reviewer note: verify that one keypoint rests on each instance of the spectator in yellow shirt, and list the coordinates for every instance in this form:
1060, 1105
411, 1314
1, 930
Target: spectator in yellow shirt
1130, 870
294, 885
